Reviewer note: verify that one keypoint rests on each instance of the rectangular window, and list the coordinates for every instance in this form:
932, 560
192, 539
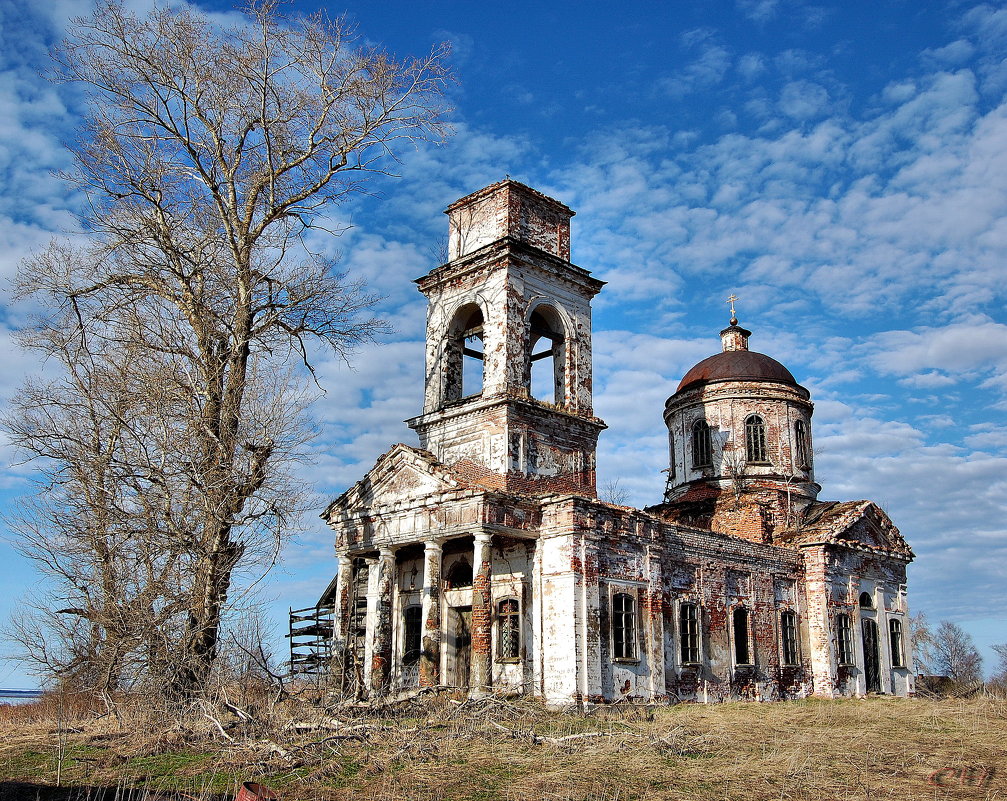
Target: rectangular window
702, 452
895, 640
688, 633
742, 653
508, 629
624, 626
801, 440
788, 636
412, 628
755, 440
844, 639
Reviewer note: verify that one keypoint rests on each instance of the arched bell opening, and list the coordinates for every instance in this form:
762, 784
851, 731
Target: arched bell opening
464, 356
547, 356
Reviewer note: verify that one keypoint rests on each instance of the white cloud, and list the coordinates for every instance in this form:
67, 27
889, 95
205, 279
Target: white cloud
751, 65
707, 69
803, 100
759, 10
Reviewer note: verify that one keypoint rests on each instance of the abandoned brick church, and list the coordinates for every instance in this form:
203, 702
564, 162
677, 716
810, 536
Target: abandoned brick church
484, 559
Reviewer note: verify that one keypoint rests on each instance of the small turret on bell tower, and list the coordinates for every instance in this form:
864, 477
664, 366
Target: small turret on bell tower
508, 362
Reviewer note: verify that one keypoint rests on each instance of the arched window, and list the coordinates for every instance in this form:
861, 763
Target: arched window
866, 602
463, 358
508, 629
623, 626
460, 575
688, 633
895, 641
547, 380
801, 443
844, 640
702, 452
742, 653
412, 628
788, 636
755, 440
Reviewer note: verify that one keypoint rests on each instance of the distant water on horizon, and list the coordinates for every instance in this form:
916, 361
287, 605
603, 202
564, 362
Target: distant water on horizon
18, 696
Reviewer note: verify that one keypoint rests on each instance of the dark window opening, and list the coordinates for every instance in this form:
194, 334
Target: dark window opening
755, 440
623, 626
688, 633
702, 452
788, 637
547, 355
742, 653
895, 640
866, 602
508, 629
412, 630
872, 655
801, 443
844, 640
460, 575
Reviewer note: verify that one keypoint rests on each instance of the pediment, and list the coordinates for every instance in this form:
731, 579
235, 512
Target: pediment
403, 475
874, 529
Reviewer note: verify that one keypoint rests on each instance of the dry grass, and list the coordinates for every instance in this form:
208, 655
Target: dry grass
443, 748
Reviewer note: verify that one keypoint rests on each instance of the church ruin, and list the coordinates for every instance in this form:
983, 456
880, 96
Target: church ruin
484, 560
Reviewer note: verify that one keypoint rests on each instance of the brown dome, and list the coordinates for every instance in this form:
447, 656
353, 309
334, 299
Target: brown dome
737, 365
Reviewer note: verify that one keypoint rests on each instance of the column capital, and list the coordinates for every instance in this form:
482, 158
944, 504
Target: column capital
344, 559
483, 537
386, 552
433, 544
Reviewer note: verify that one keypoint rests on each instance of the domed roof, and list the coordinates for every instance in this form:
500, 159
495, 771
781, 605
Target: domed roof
737, 365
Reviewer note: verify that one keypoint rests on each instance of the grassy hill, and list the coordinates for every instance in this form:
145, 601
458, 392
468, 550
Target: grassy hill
444, 748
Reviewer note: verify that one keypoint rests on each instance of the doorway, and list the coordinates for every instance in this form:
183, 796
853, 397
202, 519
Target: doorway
459, 645
872, 655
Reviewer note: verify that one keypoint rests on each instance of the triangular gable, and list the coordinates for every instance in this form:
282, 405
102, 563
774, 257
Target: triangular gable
402, 474
872, 528
854, 523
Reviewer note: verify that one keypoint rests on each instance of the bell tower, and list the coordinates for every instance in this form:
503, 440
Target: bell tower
507, 394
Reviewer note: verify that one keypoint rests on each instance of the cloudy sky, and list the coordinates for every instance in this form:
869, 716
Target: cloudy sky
840, 166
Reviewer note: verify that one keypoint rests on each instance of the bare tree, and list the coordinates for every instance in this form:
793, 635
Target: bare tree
612, 491
998, 681
185, 327
923, 644
955, 654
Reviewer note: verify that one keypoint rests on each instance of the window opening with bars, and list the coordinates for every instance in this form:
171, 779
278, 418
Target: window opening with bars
508, 629
412, 630
702, 452
755, 440
788, 636
844, 639
623, 626
688, 633
801, 443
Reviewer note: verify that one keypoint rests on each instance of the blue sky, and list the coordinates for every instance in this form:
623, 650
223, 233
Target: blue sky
840, 166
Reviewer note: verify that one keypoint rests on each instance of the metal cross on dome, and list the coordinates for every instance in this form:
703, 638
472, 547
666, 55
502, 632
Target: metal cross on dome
731, 300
